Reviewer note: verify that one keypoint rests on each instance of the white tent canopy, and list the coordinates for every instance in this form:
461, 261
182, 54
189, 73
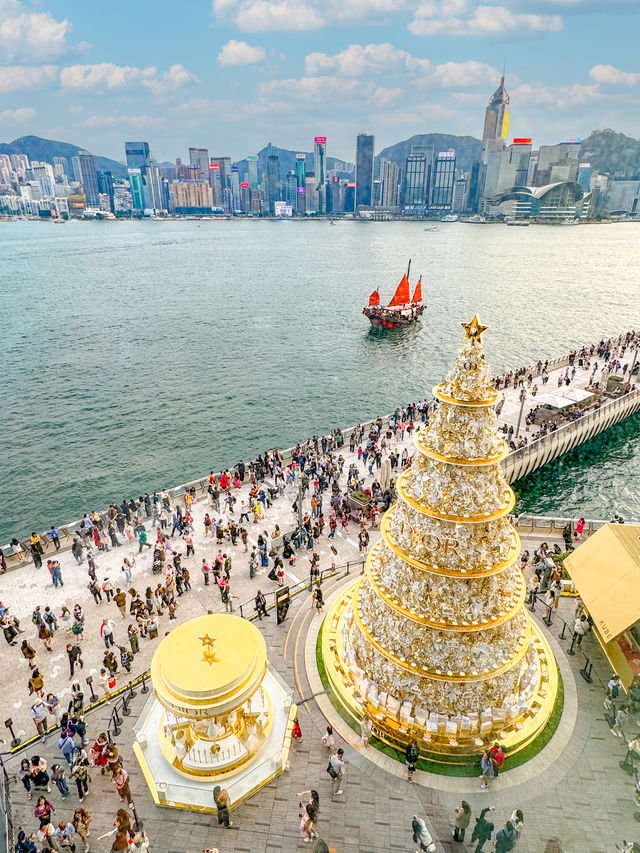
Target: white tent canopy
556, 401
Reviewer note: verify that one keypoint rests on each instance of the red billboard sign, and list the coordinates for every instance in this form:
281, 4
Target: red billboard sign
320, 139
522, 140
244, 185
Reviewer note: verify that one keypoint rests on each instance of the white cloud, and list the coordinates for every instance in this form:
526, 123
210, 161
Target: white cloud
463, 18
383, 96
471, 73
140, 121
24, 114
555, 96
172, 80
240, 53
301, 15
610, 76
107, 75
16, 77
26, 33
358, 60
102, 75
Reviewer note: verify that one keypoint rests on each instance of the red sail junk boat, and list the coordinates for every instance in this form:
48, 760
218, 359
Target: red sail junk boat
401, 311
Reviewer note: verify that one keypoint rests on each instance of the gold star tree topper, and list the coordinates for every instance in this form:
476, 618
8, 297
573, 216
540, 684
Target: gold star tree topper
473, 330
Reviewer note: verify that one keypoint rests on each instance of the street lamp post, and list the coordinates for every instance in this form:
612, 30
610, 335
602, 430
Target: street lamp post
523, 397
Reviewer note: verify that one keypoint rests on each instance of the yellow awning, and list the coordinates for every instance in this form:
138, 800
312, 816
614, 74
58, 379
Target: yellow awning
606, 572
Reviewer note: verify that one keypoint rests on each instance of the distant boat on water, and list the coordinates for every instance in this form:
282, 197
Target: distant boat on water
403, 310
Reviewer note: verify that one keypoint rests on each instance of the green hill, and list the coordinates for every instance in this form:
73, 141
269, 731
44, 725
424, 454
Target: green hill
468, 148
612, 152
37, 148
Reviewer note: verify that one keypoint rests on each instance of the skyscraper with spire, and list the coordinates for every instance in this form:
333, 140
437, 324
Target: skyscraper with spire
496, 116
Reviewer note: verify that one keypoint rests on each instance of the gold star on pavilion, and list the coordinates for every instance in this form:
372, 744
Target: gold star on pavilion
207, 642
473, 330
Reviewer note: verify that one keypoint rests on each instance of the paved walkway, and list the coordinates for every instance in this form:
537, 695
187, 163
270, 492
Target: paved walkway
580, 803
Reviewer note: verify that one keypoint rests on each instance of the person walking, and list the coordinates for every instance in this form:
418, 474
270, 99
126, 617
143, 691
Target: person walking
221, 800
67, 747
142, 540
411, 759
487, 769
462, 818
29, 653
81, 821
260, 605
80, 775
482, 830
120, 599
74, 653
517, 819
421, 836
58, 777
335, 769
506, 838
120, 779
307, 825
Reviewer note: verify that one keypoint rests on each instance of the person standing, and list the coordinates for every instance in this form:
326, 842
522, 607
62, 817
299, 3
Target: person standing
365, 730
411, 759
462, 817
482, 830
39, 716
221, 800
487, 769
120, 779
120, 599
106, 632
335, 769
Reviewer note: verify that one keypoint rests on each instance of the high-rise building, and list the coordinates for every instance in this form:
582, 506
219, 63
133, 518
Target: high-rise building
417, 184
245, 197
311, 194
252, 164
105, 186
364, 170
443, 180
496, 124
320, 169
292, 190
137, 154
61, 166
390, 174
301, 168
235, 188
585, 173
460, 188
505, 168
76, 169
89, 178
557, 163
496, 116
191, 197
221, 168
273, 177
200, 157
136, 188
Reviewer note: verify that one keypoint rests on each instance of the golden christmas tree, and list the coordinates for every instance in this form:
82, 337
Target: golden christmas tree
434, 641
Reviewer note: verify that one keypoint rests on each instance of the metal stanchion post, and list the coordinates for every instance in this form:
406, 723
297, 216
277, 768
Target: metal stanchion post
585, 672
15, 741
137, 823
132, 692
89, 680
116, 721
570, 650
125, 705
564, 628
144, 688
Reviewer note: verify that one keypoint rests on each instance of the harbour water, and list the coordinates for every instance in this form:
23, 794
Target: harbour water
138, 355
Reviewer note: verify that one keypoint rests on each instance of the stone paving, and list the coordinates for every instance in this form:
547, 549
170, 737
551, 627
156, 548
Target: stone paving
581, 803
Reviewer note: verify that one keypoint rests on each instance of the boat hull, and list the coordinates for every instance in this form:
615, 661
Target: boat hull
385, 319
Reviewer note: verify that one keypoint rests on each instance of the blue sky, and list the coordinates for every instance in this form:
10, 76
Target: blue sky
231, 75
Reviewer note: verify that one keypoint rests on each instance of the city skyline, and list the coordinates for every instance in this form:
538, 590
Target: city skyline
237, 70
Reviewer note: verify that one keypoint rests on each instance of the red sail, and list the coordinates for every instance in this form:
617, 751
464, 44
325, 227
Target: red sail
374, 299
417, 293
402, 294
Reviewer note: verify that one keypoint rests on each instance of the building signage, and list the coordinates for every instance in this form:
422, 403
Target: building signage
244, 185
320, 139
522, 140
